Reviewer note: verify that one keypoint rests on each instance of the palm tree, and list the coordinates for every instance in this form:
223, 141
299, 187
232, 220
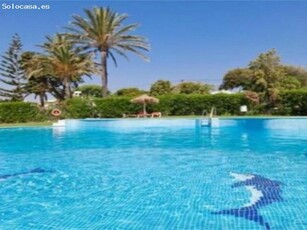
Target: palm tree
34, 67
67, 62
41, 77
103, 31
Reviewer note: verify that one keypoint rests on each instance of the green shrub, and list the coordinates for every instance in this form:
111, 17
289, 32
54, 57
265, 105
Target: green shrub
99, 107
174, 104
194, 104
293, 102
116, 107
16, 112
164, 106
257, 109
78, 108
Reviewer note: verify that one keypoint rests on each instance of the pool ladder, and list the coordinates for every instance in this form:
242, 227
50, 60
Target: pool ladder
208, 120
59, 123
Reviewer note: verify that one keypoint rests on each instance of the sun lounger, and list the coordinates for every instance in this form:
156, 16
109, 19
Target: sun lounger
156, 114
143, 115
129, 115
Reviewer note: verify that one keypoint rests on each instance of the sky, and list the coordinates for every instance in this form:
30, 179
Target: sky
190, 40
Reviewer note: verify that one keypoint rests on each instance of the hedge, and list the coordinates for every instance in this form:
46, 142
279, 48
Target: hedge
290, 103
77, 108
182, 104
178, 104
115, 107
99, 107
293, 102
16, 112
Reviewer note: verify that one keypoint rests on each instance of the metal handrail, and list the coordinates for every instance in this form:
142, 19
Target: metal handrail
213, 112
209, 116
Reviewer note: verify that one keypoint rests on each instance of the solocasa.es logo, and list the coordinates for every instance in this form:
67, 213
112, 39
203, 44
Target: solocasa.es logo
14, 6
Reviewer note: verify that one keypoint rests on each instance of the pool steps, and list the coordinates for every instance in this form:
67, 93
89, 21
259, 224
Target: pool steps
208, 121
59, 123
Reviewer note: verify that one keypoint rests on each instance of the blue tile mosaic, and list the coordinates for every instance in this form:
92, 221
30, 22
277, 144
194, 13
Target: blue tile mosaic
36, 170
265, 192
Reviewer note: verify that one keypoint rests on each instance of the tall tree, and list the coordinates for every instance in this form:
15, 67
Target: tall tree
265, 75
90, 90
40, 83
60, 67
103, 31
237, 78
67, 62
298, 73
161, 87
192, 87
11, 72
129, 92
41, 76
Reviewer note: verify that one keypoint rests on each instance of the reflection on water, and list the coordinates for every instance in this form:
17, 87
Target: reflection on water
58, 131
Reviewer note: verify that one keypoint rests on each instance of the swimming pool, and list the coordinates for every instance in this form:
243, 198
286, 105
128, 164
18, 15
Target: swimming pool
155, 174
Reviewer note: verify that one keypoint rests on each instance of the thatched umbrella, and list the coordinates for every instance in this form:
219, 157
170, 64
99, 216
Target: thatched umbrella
145, 99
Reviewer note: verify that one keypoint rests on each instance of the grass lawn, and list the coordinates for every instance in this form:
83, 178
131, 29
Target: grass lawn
28, 124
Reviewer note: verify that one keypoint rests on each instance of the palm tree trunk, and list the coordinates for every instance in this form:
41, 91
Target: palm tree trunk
67, 88
42, 99
55, 92
104, 73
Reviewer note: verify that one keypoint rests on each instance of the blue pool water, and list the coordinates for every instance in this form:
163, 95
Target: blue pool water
155, 174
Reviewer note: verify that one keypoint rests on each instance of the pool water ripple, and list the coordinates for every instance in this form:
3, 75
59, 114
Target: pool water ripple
164, 175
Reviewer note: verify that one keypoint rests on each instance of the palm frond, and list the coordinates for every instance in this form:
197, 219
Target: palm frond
102, 30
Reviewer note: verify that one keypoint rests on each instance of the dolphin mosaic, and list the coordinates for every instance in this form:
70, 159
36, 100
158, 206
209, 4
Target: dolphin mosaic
36, 170
264, 192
